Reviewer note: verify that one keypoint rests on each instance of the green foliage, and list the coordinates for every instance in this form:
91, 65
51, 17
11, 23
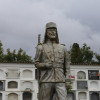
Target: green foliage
87, 54
1, 52
75, 53
8, 57
20, 56
69, 90
78, 55
97, 57
81, 55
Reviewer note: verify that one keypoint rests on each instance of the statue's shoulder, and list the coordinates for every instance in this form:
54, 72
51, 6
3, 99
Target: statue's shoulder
63, 44
39, 46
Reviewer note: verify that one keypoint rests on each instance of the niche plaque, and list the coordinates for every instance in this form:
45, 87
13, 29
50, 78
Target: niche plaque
92, 74
82, 85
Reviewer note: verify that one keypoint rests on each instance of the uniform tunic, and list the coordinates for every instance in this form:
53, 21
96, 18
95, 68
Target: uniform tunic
53, 78
58, 55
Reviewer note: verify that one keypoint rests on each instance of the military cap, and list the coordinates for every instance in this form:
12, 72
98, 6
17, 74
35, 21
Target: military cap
50, 25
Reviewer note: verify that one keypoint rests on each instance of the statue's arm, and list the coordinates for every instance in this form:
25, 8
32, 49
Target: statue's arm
39, 58
67, 63
38, 55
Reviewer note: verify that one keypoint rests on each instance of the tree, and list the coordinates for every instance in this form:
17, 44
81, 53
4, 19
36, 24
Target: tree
1, 52
8, 57
21, 56
87, 54
14, 56
25, 57
75, 53
97, 57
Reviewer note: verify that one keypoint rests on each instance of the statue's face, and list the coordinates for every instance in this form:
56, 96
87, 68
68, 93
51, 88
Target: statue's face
51, 33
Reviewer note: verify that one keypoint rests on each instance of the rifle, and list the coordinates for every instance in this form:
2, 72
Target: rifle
39, 36
38, 71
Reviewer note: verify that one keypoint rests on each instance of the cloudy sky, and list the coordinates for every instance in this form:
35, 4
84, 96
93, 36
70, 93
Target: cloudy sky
21, 21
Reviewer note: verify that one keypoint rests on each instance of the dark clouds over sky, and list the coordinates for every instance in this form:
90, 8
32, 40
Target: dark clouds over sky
22, 20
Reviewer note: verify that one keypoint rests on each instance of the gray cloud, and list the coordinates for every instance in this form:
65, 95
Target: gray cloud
22, 20
87, 12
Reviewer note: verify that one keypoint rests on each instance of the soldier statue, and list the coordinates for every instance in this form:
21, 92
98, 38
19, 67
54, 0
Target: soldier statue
52, 60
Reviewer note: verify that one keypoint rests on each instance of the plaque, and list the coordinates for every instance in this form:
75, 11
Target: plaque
2, 86
82, 85
92, 74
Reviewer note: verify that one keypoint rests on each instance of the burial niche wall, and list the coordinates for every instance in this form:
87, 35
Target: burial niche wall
72, 76
27, 74
95, 96
92, 74
27, 86
81, 75
71, 96
94, 85
12, 73
1, 85
82, 96
2, 75
0, 96
27, 96
12, 84
82, 85
13, 96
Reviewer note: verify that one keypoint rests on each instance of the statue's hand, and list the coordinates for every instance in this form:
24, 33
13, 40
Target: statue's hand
43, 65
37, 64
49, 65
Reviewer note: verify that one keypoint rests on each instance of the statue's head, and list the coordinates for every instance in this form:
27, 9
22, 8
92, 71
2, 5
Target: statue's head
51, 32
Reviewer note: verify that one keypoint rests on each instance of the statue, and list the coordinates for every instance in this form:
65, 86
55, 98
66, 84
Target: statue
52, 60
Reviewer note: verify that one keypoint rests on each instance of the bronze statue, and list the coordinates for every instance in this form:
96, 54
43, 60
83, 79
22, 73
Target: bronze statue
52, 60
